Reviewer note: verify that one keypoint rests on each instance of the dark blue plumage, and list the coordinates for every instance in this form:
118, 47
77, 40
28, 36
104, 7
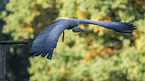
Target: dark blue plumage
119, 27
47, 39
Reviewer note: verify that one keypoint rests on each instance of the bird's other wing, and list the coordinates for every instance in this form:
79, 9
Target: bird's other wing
46, 41
117, 26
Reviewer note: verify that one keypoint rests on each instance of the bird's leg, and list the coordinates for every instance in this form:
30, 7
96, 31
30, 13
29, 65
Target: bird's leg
63, 37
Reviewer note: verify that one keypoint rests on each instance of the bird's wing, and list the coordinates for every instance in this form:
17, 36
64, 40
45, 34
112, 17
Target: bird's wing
46, 41
117, 26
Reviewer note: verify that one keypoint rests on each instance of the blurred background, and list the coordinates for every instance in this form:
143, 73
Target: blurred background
98, 54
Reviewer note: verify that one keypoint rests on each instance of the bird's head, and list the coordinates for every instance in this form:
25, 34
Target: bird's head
69, 22
77, 29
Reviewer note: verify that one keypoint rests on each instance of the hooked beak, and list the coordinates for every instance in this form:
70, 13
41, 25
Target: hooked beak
77, 29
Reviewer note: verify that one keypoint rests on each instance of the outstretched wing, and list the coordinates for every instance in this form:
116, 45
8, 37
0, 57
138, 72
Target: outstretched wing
117, 26
47, 39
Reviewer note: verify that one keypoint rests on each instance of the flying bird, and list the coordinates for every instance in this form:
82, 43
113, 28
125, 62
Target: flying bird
47, 39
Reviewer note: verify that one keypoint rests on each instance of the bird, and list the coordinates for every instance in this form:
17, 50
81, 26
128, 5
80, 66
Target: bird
47, 39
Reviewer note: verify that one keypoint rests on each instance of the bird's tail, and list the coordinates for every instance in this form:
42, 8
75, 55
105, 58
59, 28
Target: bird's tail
119, 27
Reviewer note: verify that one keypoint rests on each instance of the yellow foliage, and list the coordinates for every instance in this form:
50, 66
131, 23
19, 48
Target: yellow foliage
90, 47
86, 40
39, 1
139, 2
114, 51
79, 13
62, 69
106, 20
133, 33
95, 19
85, 11
88, 56
91, 27
106, 76
134, 64
143, 59
87, 78
103, 52
95, 30
67, 46
109, 50
97, 51
51, 6
117, 3
81, 25
100, 32
137, 33
137, 44
30, 29
80, 17
124, 17
92, 51
77, 33
101, 17
84, 60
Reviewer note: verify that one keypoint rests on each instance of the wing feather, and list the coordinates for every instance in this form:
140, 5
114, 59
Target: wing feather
47, 39
117, 26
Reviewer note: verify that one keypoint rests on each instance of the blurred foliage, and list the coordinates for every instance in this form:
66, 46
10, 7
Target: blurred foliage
94, 55
2, 7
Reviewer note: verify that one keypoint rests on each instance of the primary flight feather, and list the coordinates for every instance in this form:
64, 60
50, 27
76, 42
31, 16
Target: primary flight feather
47, 39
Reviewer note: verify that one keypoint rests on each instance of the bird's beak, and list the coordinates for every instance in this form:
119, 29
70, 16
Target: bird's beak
77, 29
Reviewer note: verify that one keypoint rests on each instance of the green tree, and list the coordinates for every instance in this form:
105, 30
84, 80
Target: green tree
96, 54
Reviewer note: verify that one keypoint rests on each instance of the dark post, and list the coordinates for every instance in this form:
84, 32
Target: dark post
3, 55
2, 62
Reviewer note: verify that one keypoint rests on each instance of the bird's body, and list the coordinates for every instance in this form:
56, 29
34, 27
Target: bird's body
47, 39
